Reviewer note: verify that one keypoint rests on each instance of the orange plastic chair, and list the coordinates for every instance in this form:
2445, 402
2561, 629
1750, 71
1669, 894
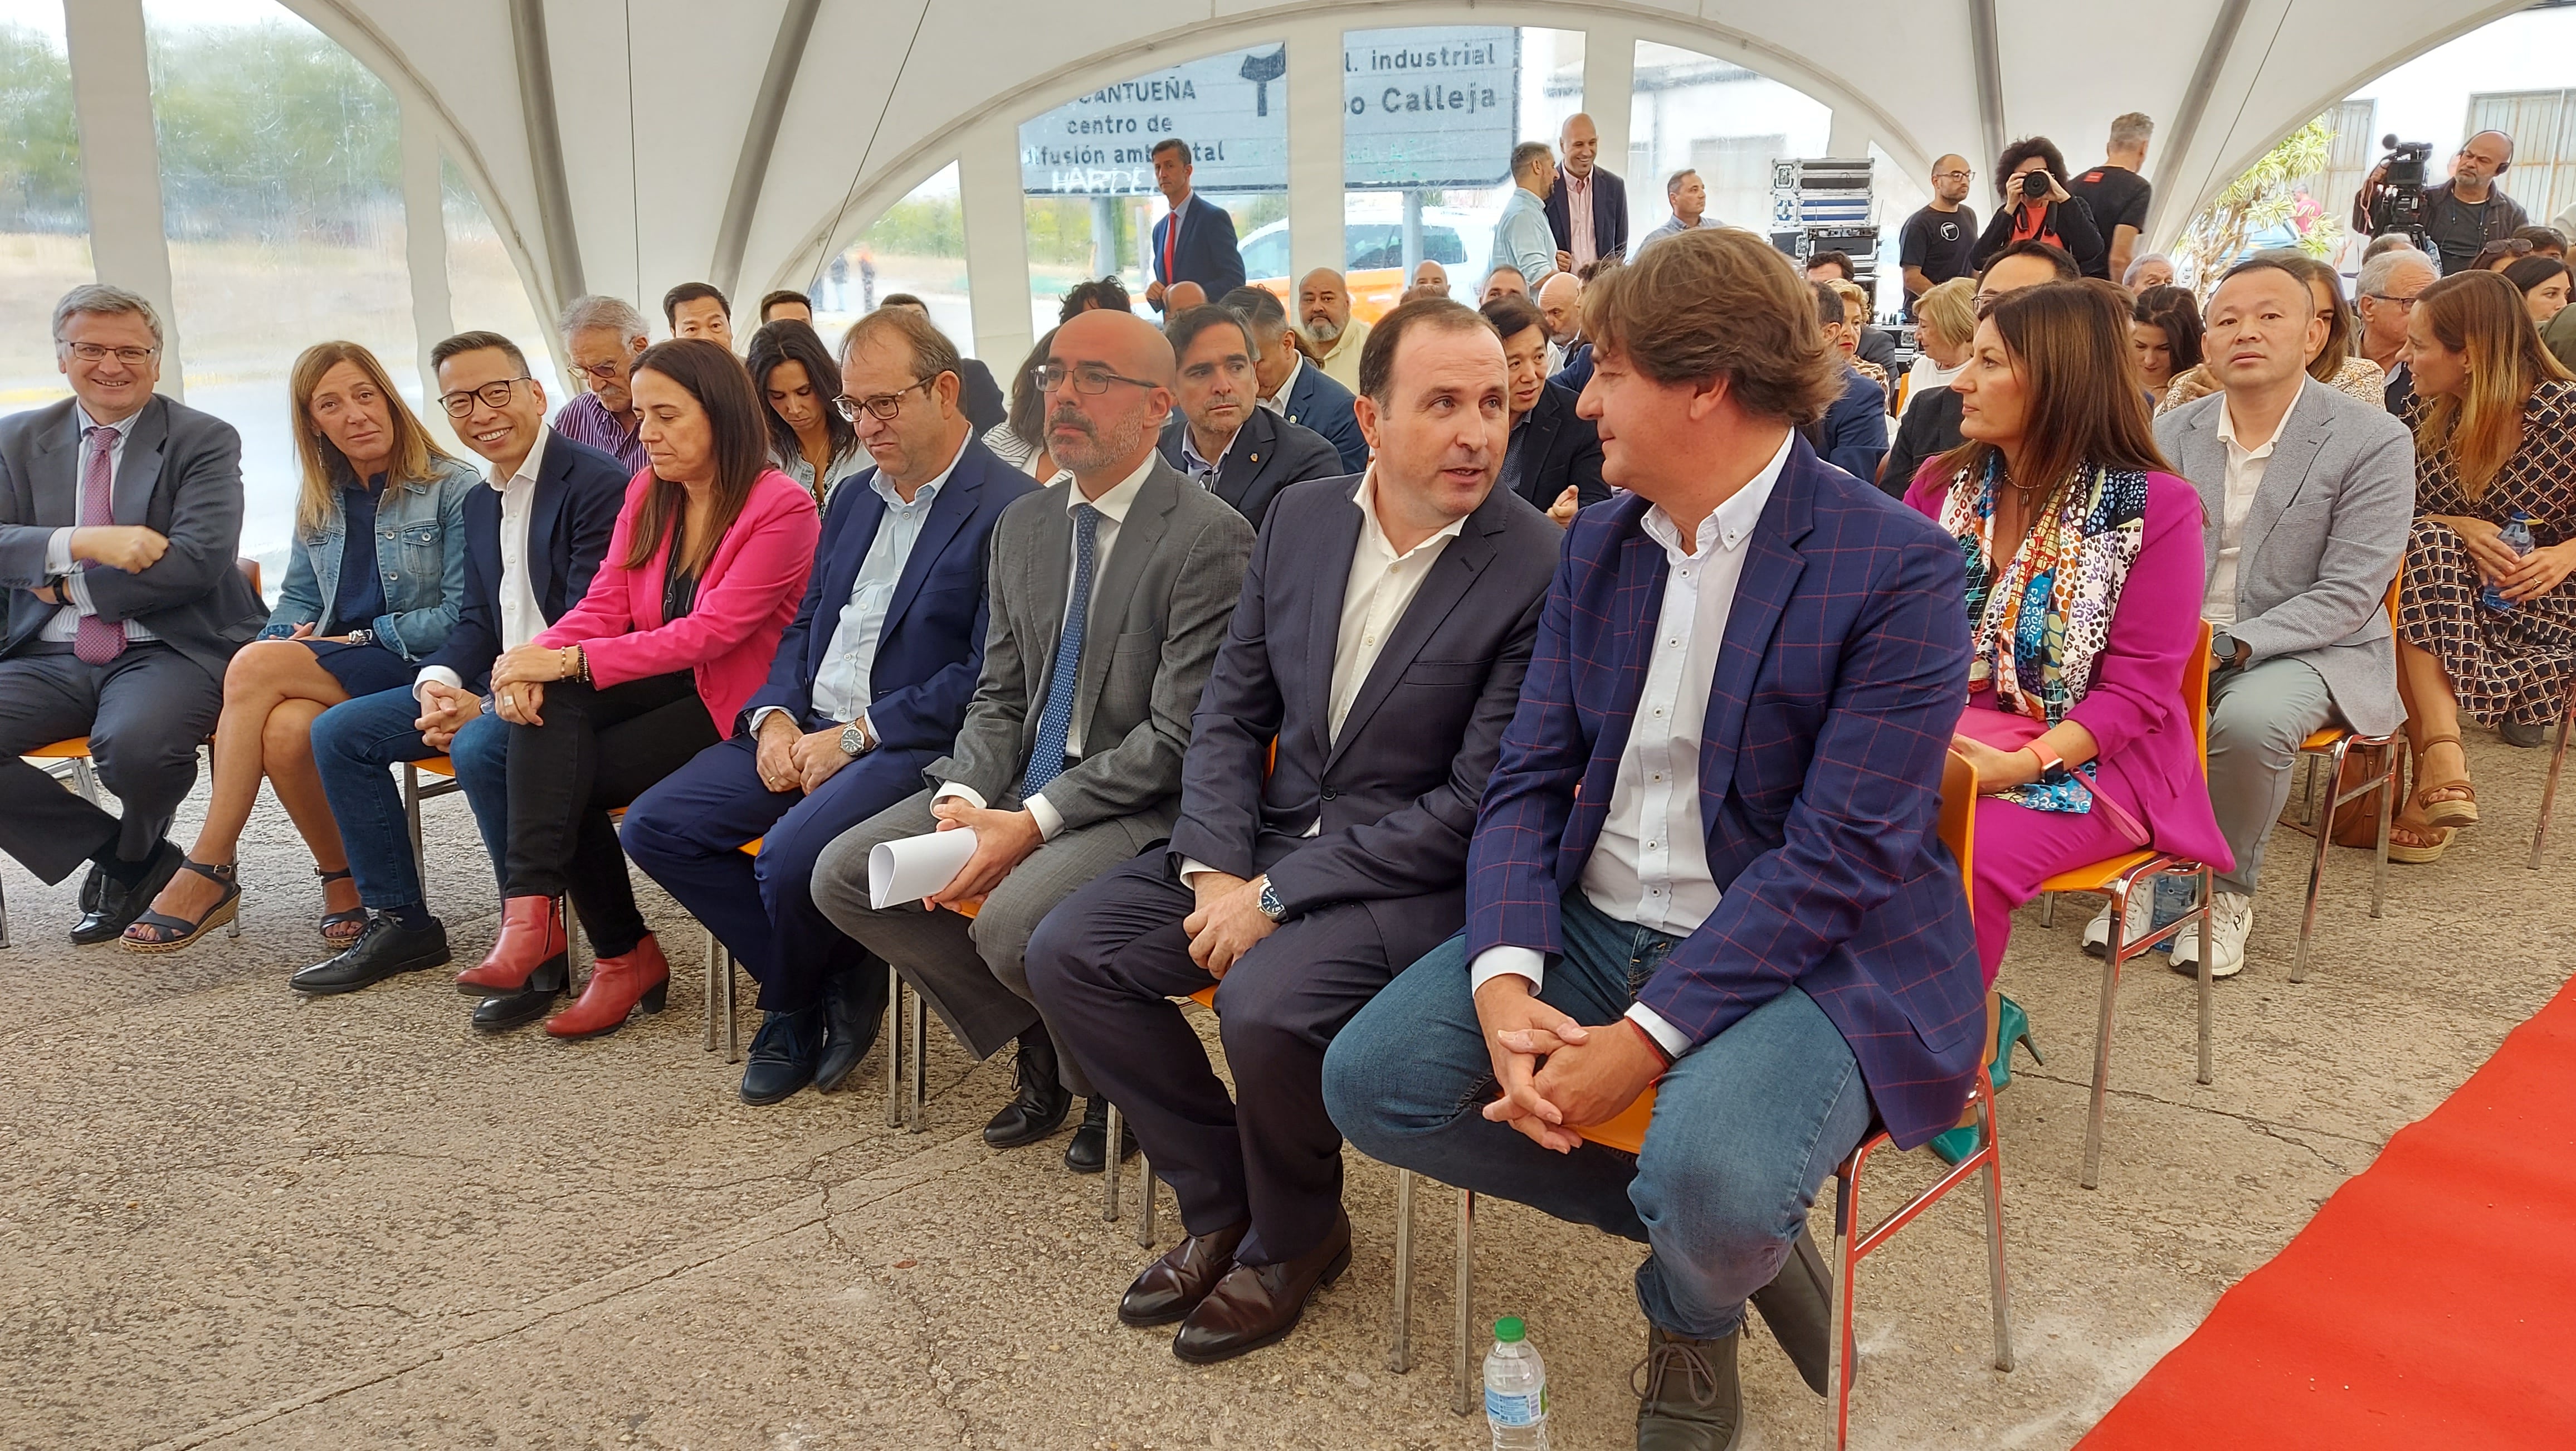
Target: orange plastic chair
2119, 878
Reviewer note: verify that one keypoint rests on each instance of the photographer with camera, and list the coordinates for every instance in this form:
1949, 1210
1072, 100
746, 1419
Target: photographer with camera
2455, 218
2036, 205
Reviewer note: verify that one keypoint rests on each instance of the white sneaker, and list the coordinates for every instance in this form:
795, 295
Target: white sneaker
2097, 933
2231, 918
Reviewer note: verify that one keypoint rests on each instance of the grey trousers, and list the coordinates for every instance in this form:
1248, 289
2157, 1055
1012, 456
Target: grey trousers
972, 971
2257, 718
145, 714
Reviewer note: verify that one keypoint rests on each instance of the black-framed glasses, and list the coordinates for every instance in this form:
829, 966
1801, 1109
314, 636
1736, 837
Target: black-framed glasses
2406, 303
100, 353
884, 405
494, 395
1090, 380
1952, 175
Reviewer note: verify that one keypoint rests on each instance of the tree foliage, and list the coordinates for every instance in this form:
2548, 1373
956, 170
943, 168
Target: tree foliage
40, 179
2267, 196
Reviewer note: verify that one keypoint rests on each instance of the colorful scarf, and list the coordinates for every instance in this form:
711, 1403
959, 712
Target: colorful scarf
2043, 617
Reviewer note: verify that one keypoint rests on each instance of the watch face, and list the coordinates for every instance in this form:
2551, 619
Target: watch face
851, 740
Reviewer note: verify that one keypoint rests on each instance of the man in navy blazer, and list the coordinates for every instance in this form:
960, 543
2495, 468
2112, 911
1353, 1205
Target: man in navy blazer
1293, 388
869, 685
1219, 435
1707, 861
532, 542
1194, 242
1327, 799
1582, 181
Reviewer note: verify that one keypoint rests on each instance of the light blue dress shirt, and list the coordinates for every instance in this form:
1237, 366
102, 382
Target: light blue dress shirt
1523, 239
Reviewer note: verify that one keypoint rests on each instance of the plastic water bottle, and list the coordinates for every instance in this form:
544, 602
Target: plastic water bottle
2516, 536
1515, 1389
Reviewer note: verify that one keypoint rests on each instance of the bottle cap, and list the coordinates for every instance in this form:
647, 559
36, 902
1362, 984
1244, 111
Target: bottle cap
1509, 1330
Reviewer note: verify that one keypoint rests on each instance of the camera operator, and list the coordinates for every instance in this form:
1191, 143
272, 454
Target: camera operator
2460, 215
2037, 207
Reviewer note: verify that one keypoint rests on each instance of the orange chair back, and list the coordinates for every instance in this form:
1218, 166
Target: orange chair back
2195, 693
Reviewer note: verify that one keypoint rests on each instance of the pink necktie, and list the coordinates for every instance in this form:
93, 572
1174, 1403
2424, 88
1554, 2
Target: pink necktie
98, 641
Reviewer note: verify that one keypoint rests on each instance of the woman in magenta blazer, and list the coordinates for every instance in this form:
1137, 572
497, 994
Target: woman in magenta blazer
703, 572
2085, 576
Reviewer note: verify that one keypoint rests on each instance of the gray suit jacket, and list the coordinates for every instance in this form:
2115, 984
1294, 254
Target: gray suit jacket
181, 476
2324, 538
1158, 612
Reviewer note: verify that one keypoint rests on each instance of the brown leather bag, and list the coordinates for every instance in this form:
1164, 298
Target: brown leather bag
2356, 822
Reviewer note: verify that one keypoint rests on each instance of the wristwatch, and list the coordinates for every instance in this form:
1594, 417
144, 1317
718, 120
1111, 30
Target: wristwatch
2052, 766
1271, 906
362, 637
855, 741
2222, 648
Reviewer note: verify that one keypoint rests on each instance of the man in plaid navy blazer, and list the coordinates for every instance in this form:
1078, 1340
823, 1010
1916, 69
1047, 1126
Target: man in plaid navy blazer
1790, 960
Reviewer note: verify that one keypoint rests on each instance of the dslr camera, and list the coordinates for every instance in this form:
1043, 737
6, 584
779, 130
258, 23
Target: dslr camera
2396, 201
2035, 183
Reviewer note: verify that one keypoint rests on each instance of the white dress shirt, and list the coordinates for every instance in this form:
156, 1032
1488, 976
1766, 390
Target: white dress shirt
1112, 507
1278, 402
521, 617
1203, 471
2244, 476
1650, 866
842, 686
65, 624
1381, 588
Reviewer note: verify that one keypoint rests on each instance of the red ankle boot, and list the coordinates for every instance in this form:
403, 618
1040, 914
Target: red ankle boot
532, 937
617, 985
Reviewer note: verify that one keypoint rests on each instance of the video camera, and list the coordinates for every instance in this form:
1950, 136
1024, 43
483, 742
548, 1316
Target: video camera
2396, 201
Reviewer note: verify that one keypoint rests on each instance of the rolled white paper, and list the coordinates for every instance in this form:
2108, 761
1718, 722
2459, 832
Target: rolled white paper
916, 866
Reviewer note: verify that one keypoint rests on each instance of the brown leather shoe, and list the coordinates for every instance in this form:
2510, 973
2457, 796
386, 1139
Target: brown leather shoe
1688, 1396
617, 986
1173, 1286
532, 936
1255, 1305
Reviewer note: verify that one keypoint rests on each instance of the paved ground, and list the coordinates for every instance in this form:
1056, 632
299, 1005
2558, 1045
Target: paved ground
232, 1218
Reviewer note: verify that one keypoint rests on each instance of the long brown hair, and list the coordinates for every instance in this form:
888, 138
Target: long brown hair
2069, 344
2481, 316
324, 467
2339, 334
709, 373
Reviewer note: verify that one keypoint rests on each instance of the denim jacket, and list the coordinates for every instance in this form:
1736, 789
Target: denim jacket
420, 546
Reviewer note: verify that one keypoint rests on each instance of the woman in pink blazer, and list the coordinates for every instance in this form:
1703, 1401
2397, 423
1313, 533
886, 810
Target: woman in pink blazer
703, 573
2083, 553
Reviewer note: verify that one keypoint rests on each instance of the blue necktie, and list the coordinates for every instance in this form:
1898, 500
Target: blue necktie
1055, 725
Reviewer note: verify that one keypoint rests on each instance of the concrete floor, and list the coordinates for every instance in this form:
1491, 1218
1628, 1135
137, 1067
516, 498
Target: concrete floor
234, 1218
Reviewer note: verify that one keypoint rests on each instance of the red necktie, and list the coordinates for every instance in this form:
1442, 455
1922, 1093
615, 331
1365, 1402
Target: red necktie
98, 641
1171, 245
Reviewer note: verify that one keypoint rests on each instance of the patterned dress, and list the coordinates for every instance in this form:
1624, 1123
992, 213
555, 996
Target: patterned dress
2506, 664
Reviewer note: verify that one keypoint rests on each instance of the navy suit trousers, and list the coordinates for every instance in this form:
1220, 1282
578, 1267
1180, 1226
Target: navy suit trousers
687, 833
1105, 966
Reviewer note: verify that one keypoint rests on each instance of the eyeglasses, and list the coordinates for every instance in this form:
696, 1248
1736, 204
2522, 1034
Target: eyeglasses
100, 353
1089, 380
494, 395
1952, 175
2406, 303
884, 405
604, 372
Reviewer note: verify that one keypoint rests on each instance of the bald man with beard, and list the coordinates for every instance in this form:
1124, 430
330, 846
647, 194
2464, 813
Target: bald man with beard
1109, 592
1334, 338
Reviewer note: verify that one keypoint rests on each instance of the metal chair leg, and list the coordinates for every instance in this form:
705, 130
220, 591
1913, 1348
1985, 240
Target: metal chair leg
411, 813
4, 918
894, 1047
2324, 821
2208, 889
2111, 961
1112, 1177
1462, 1373
1145, 1228
86, 776
2387, 809
1996, 1282
2549, 793
1838, 1321
920, 1068
2048, 909
1399, 1349
733, 1023
707, 1006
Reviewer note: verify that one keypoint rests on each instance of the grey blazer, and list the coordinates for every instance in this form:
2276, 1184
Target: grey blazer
2325, 536
181, 476
1158, 613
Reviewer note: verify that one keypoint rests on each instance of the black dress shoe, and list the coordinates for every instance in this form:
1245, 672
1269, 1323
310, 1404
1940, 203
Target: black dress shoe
1038, 1109
1171, 1287
782, 1055
1254, 1305
500, 1012
386, 948
117, 904
1083, 1155
853, 1004
1798, 1305
1689, 1398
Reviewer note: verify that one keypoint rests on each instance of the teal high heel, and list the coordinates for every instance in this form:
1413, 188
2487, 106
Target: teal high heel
2012, 1025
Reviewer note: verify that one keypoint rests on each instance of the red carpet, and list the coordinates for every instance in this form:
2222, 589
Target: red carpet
2430, 1304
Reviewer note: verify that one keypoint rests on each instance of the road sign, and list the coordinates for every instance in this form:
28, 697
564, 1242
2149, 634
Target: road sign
1430, 106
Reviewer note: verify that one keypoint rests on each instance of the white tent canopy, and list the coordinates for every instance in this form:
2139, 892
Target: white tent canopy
620, 145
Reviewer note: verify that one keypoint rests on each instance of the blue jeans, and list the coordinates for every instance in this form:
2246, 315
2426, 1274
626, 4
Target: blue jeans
1747, 1125
354, 743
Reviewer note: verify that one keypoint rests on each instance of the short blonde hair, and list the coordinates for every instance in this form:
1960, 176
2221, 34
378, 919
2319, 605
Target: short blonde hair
1719, 302
1855, 302
1949, 310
